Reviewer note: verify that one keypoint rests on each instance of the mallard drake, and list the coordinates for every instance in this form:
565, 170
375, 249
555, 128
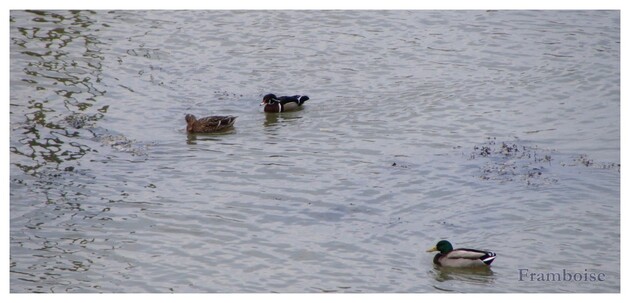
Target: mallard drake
208, 124
275, 104
461, 257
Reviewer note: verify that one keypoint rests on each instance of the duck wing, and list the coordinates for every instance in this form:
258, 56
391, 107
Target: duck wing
217, 121
472, 254
295, 98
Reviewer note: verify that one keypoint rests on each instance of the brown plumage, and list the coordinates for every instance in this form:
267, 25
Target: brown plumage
208, 124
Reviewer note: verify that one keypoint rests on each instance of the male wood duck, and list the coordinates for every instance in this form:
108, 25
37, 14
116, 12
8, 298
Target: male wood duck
275, 104
208, 124
461, 257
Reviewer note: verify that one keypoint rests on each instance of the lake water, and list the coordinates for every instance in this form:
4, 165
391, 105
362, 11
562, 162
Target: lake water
496, 130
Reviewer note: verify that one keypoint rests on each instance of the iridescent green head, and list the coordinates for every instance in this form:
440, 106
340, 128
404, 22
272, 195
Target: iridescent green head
442, 246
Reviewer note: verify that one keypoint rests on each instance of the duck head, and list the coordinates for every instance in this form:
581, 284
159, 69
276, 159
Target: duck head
190, 120
442, 246
269, 98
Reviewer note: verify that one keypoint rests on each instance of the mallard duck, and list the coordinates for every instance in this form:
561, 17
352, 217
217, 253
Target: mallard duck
461, 257
275, 104
208, 124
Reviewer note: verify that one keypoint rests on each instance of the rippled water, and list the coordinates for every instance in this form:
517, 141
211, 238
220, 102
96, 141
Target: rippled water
493, 129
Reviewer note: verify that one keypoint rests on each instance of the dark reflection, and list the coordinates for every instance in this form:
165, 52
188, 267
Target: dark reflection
272, 119
482, 275
56, 78
56, 70
192, 138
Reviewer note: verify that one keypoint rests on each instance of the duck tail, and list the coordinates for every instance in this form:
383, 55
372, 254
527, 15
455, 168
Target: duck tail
488, 258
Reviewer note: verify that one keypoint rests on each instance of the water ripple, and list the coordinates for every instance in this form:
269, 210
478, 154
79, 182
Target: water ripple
109, 194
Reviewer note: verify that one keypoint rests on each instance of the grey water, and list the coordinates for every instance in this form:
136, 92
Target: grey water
496, 130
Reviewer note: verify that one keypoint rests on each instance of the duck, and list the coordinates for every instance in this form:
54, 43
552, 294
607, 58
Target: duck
208, 124
461, 257
275, 104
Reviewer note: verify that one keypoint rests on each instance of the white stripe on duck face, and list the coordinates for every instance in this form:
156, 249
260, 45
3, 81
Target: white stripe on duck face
489, 258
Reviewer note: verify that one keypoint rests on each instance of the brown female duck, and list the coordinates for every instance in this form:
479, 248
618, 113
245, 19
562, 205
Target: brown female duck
208, 124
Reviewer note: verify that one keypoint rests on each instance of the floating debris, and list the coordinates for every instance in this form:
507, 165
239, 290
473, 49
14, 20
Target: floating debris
80, 120
225, 95
588, 162
584, 160
511, 161
122, 144
533, 165
400, 165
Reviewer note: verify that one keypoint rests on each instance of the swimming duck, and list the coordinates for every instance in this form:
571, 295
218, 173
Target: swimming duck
208, 124
275, 104
461, 257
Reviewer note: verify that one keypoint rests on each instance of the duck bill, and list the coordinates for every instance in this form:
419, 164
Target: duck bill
262, 103
432, 249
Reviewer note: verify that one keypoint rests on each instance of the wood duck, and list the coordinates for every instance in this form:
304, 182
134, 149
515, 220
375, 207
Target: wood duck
208, 124
275, 104
461, 257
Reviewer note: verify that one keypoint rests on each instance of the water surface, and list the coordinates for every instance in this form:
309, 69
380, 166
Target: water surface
493, 129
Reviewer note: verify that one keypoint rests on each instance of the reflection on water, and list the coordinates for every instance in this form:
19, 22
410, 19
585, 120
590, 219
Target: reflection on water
62, 63
481, 275
282, 119
192, 138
